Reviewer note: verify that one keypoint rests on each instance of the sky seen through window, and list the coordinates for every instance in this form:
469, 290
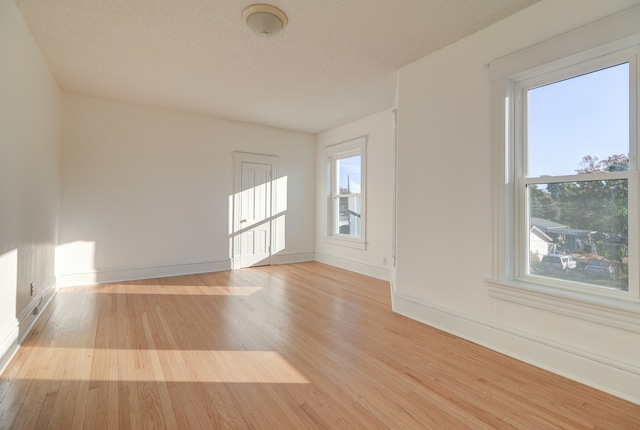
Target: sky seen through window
573, 118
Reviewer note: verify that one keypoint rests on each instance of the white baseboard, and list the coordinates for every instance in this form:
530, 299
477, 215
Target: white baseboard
8, 344
24, 323
382, 273
604, 373
28, 318
293, 258
392, 289
144, 272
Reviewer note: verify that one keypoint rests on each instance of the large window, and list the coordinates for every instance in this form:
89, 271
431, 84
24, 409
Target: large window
566, 213
346, 192
574, 176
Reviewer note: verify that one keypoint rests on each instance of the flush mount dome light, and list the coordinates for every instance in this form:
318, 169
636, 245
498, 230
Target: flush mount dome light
264, 19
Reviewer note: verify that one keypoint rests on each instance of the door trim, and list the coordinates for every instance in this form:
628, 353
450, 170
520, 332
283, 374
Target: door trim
234, 224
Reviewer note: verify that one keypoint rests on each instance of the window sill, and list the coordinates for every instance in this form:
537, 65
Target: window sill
611, 312
344, 241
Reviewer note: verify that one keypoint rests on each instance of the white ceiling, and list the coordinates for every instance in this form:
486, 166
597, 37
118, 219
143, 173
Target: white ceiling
335, 62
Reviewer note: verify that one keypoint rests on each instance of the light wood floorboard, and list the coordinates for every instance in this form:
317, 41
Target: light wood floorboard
302, 346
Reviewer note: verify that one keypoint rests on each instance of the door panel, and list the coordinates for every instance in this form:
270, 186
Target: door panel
254, 215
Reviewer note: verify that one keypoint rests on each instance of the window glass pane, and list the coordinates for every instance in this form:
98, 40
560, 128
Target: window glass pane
349, 215
578, 231
348, 183
349, 174
585, 116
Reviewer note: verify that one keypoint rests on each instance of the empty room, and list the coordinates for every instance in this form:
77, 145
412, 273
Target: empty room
358, 214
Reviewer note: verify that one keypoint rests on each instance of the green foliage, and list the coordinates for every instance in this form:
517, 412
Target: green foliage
614, 163
542, 205
596, 205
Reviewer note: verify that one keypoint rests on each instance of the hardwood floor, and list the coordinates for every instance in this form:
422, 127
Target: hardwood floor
300, 346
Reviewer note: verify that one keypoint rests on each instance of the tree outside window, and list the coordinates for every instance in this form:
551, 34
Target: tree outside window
580, 209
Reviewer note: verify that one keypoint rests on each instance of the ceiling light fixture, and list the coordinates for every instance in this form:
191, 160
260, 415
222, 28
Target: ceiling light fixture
264, 19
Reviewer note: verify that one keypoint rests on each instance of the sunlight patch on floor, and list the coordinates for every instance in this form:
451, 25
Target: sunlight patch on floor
150, 365
179, 290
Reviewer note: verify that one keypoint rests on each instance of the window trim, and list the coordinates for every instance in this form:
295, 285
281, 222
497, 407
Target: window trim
356, 146
610, 36
519, 203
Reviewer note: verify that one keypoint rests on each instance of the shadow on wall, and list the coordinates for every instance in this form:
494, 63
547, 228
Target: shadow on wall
25, 286
257, 219
256, 232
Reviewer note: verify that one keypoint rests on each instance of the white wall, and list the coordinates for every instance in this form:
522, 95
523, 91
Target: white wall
444, 208
29, 170
380, 132
146, 192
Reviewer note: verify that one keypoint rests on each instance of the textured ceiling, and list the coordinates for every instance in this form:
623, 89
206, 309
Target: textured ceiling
335, 62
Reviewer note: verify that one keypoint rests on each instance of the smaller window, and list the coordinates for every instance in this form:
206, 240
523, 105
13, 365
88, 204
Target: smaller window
346, 192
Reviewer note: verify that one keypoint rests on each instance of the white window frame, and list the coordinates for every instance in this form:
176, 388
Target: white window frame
357, 146
601, 43
521, 180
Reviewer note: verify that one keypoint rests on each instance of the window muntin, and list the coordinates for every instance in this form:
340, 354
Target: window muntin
574, 178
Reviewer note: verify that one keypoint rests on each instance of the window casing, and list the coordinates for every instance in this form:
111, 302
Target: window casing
346, 191
601, 45
584, 210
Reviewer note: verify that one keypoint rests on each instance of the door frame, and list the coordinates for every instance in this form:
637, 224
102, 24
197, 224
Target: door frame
235, 225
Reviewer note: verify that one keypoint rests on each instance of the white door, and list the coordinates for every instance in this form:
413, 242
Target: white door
253, 215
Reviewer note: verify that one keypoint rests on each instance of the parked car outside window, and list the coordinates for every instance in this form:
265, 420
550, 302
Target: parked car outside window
557, 264
602, 269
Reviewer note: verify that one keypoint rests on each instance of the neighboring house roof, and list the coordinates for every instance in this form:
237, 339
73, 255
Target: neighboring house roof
548, 226
541, 234
545, 224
